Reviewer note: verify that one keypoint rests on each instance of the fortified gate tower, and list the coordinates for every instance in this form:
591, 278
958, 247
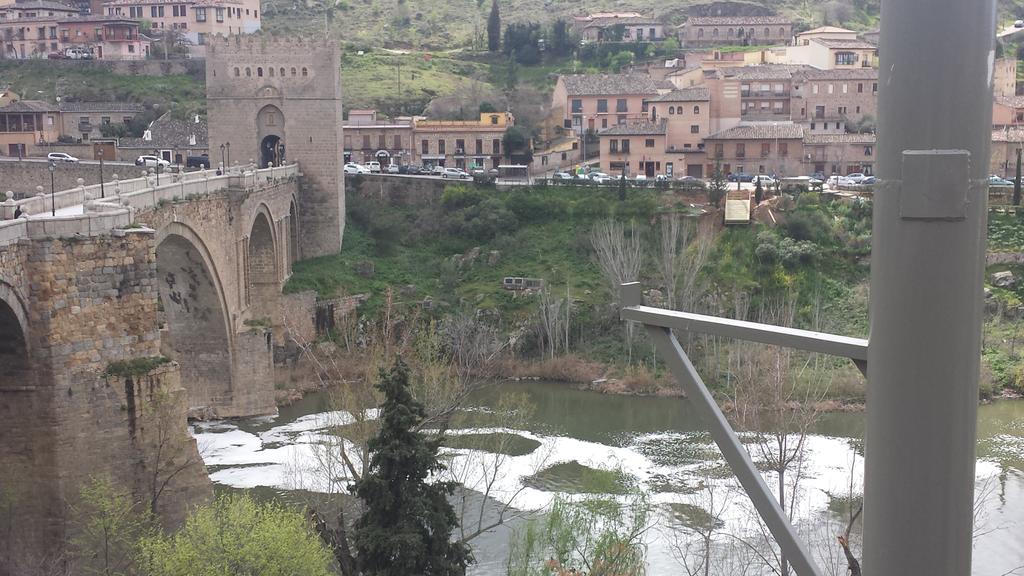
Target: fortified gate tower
274, 99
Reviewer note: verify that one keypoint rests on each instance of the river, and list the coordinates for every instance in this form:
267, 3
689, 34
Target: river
660, 444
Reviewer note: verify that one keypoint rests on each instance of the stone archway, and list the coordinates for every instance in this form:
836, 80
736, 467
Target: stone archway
28, 475
262, 277
270, 131
197, 331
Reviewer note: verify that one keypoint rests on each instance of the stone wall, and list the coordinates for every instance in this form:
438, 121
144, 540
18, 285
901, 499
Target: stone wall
94, 303
398, 190
22, 176
193, 67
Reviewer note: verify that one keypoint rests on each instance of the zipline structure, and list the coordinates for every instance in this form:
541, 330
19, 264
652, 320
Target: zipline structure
927, 268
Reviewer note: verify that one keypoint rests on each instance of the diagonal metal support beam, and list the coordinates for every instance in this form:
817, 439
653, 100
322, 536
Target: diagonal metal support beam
659, 324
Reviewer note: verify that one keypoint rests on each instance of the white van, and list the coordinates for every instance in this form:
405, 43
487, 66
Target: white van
373, 166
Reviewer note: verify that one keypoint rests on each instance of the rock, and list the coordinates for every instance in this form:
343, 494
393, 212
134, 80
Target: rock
202, 413
988, 293
365, 268
492, 257
472, 255
1003, 279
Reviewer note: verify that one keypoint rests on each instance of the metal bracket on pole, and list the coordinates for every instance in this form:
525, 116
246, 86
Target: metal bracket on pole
659, 324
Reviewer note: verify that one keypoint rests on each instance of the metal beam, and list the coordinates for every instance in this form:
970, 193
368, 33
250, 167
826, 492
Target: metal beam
927, 270
722, 433
854, 348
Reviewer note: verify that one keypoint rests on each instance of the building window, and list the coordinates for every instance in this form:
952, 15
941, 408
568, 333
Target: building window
766, 149
397, 142
819, 111
200, 14
496, 146
219, 14
694, 129
782, 32
783, 149
248, 72
671, 110
293, 71
860, 87
714, 32
730, 33
625, 146
719, 150
767, 32
613, 146
621, 105
479, 148
602, 106
604, 122
874, 87
858, 109
868, 150
842, 110
696, 110
381, 142
460, 146
649, 143
281, 72
366, 141
845, 58
238, 72
494, 120
620, 119
424, 147
741, 150
814, 88
259, 71
577, 106
305, 71
440, 147
270, 71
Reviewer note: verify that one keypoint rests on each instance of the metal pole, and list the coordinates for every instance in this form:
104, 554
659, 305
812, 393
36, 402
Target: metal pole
102, 192
1016, 182
53, 200
934, 131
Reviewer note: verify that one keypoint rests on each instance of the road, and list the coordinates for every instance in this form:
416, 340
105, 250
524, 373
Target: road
45, 161
1009, 30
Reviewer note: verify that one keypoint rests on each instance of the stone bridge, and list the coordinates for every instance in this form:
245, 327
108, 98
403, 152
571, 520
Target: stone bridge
190, 269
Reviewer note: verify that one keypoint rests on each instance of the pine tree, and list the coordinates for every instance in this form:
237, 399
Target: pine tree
494, 28
758, 192
717, 187
407, 523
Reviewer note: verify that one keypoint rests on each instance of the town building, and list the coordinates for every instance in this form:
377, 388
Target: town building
823, 33
106, 37
463, 144
832, 101
85, 121
172, 139
833, 53
598, 101
1007, 111
29, 29
687, 113
839, 153
25, 123
743, 30
757, 148
195, 21
369, 137
765, 90
618, 27
1004, 78
1006, 141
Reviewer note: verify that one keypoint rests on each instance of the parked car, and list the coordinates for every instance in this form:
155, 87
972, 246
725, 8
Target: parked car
562, 176
641, 178
437, 170
764, 179
77, 54
457, 173
353, 168
599, 177
391, 169
56, 56
856, 177
1018, 24
740, 177
994, 180
60, 157
151, 162
202, 161
373, 166
836, 181
868, 181
818, 176
661, 178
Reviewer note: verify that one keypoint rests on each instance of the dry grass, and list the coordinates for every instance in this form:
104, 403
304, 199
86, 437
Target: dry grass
569, 368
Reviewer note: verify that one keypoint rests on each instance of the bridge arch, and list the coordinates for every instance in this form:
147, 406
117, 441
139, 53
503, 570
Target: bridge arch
293, 233
198, 330
263, 279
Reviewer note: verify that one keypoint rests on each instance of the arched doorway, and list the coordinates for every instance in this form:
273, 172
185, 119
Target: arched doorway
262, 284
197, 331
384, 157
271, 151
270, 131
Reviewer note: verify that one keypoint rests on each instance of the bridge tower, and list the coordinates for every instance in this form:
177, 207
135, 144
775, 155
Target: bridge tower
271, 99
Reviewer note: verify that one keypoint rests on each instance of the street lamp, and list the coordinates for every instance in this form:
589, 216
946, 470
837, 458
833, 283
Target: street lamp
222, 161
229, 153
158, 169
100, 154
53, 202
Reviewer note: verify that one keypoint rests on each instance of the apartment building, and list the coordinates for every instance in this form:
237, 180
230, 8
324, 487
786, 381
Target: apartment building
29, 29
1007, 111
833, 53
1004, 77
462, 143
195, 20
107, 37
687, 114
24, 123
765, 90
369, 137
757, 148
85, 121
1006, 141
828, 101
618, 27
743, 30
823, 33
592, 102
839, 153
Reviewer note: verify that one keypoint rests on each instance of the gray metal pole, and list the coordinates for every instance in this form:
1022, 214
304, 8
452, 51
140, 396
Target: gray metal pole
934, 131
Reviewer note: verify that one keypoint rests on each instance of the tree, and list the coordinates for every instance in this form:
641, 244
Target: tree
407, 524
487, 107
494, 28
684, 249
109, 524
561, 42
236, 535
620, 60
758, 192
718, 187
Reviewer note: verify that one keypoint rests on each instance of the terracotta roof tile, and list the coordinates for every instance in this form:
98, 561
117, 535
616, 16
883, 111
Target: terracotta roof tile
608, 84
760, 130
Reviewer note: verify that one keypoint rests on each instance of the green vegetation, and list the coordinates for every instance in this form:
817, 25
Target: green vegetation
183, 94
236, 535
575, 478
510, 445
135, 366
